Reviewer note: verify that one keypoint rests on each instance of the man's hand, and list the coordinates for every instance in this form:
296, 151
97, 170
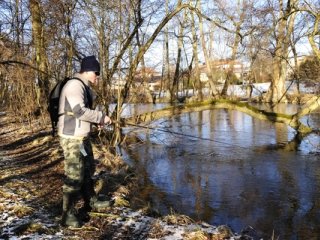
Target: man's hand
107, 120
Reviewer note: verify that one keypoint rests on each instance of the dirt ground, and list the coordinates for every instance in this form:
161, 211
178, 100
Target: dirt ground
31, 173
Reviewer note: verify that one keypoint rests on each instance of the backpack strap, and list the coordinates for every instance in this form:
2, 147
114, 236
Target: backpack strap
90, 102
88, 97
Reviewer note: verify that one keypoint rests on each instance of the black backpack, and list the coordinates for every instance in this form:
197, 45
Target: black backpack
53, 103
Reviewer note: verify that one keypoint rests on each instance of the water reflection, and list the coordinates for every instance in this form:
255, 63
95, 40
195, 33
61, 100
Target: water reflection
240, 177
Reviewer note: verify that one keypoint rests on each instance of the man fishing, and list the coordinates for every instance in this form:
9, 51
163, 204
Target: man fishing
76, 118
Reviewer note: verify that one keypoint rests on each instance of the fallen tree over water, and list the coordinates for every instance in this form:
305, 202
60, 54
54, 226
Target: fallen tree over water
292, 120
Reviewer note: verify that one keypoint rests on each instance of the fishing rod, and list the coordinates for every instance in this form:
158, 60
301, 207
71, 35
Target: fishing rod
176, 133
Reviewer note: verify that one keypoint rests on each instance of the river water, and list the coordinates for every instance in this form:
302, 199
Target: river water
236, 170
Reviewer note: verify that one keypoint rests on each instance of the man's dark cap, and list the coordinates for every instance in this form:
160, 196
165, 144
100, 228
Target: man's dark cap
90, 63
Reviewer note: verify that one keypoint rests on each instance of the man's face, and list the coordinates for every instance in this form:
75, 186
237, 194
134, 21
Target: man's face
93, 77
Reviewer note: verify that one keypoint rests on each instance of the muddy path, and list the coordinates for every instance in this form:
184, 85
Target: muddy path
30, 178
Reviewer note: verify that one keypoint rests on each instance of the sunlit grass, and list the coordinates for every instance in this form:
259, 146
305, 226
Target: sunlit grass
197, 235
5, 194
177, 219
21, 210
157, 231
36, 228
121, 202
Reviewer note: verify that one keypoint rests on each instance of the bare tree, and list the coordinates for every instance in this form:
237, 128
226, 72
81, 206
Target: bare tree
237, 18
213, 89
283, 20
165, 83
312, 10
38, 36
68, 10
195, 40
175, 84
143, 88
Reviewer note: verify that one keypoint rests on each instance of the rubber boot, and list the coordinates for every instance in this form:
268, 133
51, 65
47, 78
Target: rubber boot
95, 204
91, 202
69, 218
99, 205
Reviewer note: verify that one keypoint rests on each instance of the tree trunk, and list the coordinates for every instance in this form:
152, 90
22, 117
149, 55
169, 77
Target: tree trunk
313, 34
175, 84
213, 89
235, 47
277, 90
290, 120
196, 74
38, 37
68, 10
166, 72
17, 25
145, 83
296, 68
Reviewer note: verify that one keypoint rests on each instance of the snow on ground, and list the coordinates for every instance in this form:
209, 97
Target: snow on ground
122, 219
242, 90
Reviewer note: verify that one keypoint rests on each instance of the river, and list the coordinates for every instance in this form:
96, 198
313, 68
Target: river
235, 170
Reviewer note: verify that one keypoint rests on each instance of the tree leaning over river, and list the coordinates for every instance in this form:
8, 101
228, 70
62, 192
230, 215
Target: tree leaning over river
292, 120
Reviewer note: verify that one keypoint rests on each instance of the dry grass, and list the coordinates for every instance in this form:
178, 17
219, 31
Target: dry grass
224, 232
121, 202
197, 235
36, 228
2, 207
21, 210
120, 196
177, 219
41, 141
5, 195
157, 231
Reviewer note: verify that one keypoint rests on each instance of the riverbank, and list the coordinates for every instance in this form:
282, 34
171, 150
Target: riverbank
31, 171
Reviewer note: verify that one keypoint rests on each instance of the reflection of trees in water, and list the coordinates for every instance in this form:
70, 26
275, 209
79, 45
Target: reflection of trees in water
281, 133
195, 178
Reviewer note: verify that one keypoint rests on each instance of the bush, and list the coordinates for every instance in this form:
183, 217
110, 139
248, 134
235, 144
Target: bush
308, 71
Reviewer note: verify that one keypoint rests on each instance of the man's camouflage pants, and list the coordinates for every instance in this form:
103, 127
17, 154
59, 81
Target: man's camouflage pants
78, 167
